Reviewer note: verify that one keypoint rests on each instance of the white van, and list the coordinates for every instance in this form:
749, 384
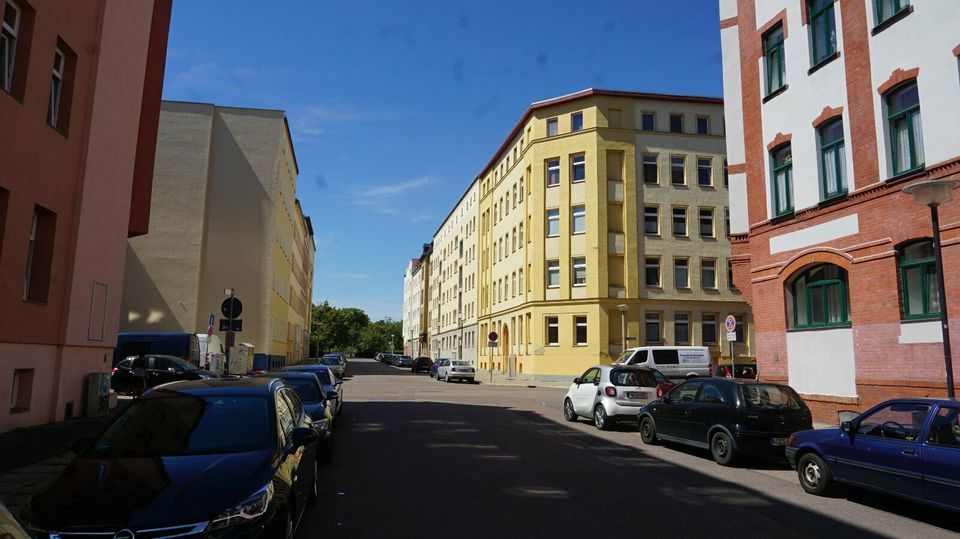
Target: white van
672, 361
212, 351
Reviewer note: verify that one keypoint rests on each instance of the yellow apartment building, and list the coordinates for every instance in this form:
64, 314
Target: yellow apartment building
597, 200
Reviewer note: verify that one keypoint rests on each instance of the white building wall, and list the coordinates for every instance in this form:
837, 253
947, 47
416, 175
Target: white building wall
822, 362
733, 120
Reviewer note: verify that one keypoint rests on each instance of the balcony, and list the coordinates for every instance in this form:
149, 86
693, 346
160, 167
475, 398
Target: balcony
616, 243
615, 191
616, 292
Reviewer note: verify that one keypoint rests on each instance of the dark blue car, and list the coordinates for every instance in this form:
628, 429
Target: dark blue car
332, 385
905, 447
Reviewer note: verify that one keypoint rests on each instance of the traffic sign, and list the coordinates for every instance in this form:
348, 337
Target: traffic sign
732, 336
493, 336
730, 323
492, 344
226, 326
231, 307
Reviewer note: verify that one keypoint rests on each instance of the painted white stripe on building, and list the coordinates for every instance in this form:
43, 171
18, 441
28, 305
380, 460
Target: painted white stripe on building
831, 230
921, 332
822, 362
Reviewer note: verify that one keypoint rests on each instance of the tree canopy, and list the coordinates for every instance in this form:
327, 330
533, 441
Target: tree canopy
350, 330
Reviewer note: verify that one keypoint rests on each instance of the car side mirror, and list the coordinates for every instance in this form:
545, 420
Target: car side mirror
302, 436
576, 381
332, 394
79, 444
665, 399
847, 427
596, 382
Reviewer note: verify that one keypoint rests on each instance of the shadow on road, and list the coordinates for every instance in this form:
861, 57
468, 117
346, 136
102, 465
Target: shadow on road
501, 471
367, 367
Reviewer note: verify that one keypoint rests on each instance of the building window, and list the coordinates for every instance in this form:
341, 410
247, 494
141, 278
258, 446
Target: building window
553, 223
520, 234
551, 127
649, 121
650, 168
520, 193
651, 220
514, 196
833, 162
652, 327
906, 135
782, 158
706, 222
580, 329
9, 32
677, 176
579, 272
726, 174
56, 88
918, 281
679, 222
889, 8
576, 121
553, 331
579, 220
613, 118
21, 391
703, 125
39, 255
653, 271
708, 274
708, 329
704, 171
521, 280
823, 30
676, 123
740, 329
681, 328
578, 168
681, 272
818, 297
513, 241
553, 172
726, 221
513, 284
773, 58
553, 273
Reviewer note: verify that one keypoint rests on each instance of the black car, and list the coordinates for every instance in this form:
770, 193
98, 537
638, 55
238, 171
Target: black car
318, 405
136, 374
727, 416
213, 458
422, 363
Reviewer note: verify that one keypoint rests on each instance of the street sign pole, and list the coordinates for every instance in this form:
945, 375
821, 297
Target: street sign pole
730, 323
230, 338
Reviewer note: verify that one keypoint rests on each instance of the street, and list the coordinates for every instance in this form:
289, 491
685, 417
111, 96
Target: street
418, 458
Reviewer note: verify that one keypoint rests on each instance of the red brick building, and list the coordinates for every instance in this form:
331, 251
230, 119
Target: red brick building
829, 115
80, 86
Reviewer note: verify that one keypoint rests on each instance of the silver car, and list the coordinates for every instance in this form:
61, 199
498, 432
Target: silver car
609, 393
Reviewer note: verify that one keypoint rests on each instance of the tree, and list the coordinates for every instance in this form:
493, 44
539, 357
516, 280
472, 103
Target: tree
376, 337
349, 330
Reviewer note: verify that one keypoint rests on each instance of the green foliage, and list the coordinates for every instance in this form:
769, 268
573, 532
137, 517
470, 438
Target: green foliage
349, 330
376, 337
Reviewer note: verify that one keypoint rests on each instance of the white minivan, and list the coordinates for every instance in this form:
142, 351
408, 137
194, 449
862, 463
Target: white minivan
212, 351
672, 361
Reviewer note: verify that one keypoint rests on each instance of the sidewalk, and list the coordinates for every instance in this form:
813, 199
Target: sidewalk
519, 380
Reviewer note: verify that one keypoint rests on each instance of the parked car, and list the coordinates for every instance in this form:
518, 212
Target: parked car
380, 356
904, 447
317, 404
678, 362
336, 364
422, 363
664, 384
436, 366
729, 417
456, 369
134, 375
609, 393
332, 385
185, 346
404, 361
222, 457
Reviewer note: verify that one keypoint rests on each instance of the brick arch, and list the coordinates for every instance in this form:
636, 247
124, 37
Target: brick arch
827, 114
898, 77
779, 140
822, 255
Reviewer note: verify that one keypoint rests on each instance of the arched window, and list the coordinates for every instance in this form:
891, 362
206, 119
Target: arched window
918, 281
817, 297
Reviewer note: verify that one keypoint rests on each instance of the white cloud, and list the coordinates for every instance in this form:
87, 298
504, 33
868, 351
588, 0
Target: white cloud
381, 197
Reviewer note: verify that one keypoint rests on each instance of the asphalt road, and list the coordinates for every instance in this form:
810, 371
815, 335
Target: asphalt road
418, 458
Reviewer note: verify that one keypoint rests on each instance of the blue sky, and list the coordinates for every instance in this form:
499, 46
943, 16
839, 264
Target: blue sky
395, 106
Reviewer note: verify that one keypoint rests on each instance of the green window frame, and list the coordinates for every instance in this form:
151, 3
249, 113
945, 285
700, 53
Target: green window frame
889, 8
918, 281
906, 133
833, 161
773, 58
823, 30
782, 180
819, 298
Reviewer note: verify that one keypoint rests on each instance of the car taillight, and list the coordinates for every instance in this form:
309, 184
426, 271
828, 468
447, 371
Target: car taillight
659, 391
610, 391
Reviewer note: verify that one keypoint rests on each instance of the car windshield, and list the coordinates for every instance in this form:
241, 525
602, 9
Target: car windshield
182, 364
624, 357
771, 397
305, 388
632, 377
169, 424
460, 363
330, 360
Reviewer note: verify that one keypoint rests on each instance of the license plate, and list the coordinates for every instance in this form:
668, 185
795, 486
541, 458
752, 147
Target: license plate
778, 441
638, 395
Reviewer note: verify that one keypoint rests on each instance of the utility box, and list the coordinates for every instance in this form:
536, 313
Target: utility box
98, 394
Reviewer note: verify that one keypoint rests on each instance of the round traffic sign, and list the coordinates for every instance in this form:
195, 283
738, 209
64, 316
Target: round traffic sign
730, 323
493, 336
231, 307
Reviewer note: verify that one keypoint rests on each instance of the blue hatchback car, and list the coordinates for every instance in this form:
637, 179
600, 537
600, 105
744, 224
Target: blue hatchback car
905, 447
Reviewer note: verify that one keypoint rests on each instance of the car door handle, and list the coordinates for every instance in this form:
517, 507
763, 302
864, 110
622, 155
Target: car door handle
909, 451
686, 412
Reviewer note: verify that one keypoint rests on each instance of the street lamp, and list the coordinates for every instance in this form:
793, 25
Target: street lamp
623, 327
932, 194
460, 344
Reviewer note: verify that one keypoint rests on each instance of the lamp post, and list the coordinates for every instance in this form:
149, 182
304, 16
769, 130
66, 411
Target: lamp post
932, 194
623, 327
460, 343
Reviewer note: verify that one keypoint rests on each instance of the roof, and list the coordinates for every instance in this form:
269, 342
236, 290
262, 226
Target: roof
232, 386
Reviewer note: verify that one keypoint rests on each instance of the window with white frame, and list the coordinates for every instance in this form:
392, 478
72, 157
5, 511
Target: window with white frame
706, 222
708, 273
552, 127
56, 88
679, 222
681, 272
580, 330
579, 220
652, 267
9, 32
708, 328
553, 331
681, 328
553, 273
677, 172
578, 168
651, 220
553, 223
704, 172
579, 271
649, 166
576, 121
652, 331
553, 172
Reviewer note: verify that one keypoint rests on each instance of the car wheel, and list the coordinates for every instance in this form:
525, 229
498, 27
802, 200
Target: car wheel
315, 487
721, 445
648, 431
447, 380
600, 419
815, 476
568, 412
282, 527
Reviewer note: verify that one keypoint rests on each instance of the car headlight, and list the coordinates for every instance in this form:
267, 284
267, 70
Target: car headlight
251, 508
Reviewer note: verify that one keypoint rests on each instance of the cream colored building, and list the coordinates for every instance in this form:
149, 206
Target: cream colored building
412, 300
224, 214
563, 210
452, 282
